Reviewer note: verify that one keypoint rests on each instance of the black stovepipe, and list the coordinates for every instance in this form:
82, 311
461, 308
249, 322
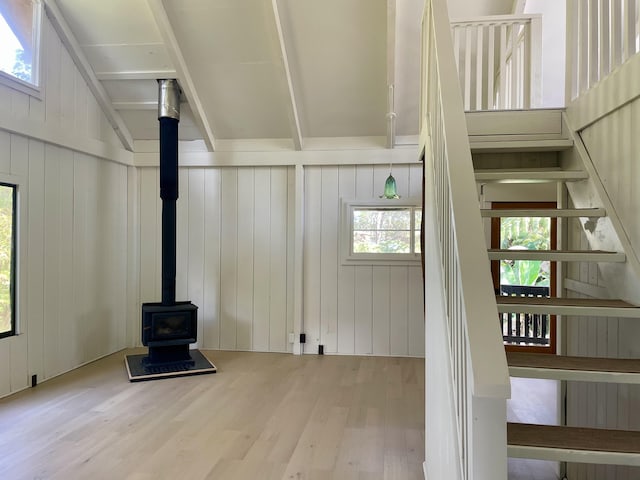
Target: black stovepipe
169, 196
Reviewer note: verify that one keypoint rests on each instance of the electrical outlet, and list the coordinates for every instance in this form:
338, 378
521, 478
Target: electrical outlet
292, 337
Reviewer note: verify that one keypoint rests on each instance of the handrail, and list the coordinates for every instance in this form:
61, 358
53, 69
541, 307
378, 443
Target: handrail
499, 61
465, 356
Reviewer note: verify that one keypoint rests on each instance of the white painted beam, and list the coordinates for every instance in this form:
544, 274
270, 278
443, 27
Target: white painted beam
292, 105
63, 137
135, 105
571, 455
73, 47
285, 158
183, 75
529, 176
543, 212
136, 75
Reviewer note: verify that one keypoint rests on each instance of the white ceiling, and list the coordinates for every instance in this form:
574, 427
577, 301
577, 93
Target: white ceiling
294, 72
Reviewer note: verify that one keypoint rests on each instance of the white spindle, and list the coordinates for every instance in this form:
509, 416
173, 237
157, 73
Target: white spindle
630, 27
583, 42
592, 46
513, 67
491, 74
467, 68
535, 62
605, 45
479, 63
616, 34
502, 71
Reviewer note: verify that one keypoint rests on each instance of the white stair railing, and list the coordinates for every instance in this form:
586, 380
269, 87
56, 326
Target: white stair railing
499, 60
601, 35
467, 380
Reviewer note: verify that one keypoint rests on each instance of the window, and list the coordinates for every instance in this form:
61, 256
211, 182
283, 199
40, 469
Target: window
20, 44
7, 259
381, 232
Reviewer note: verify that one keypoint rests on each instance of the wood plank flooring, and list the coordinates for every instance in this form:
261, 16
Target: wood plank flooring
262, 416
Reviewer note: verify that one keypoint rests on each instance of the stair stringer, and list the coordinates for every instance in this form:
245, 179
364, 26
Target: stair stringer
622, 280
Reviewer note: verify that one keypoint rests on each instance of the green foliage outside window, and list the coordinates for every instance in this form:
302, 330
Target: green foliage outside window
528, 234
385, 230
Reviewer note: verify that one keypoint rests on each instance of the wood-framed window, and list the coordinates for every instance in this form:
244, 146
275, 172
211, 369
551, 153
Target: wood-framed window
525, 332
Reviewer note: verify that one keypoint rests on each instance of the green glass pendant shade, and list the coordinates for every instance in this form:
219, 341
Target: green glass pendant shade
390, 188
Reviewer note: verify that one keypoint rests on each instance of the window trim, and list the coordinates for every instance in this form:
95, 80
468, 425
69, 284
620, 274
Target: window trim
6, 181
346, 234
33, 89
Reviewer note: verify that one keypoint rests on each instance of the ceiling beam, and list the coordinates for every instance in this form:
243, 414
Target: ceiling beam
391, 72
292, 106
183, 75
136, 75
151, 105
73, 47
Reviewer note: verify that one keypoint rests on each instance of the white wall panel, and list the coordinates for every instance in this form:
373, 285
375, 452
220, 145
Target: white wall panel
72, 256
232, 253
245, 241
595, 404
372, 310
210, 315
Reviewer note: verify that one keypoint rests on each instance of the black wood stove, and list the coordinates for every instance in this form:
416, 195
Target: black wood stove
168, 327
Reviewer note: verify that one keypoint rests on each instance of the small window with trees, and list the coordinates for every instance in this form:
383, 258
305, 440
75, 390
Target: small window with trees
7, 259
381, 232
20, 22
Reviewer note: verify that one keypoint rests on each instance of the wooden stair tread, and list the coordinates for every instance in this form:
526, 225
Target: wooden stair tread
543, 212
557, 255
563, 362
570, 302
573, 438
529, 175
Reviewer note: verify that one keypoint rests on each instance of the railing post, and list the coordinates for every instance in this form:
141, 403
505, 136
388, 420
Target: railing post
535, 59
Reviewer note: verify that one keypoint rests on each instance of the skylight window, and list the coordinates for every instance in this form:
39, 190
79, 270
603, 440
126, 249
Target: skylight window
19, 42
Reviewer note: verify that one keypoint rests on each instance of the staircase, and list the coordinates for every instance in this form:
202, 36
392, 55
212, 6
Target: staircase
529, 147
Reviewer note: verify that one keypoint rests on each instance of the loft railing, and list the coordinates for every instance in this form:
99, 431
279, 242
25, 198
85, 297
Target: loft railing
467, 381
499, 61
602, 35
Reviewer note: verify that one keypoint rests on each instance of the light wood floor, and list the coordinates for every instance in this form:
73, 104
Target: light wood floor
262, 416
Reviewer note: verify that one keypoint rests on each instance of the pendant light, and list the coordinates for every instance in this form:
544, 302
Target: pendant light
390, 191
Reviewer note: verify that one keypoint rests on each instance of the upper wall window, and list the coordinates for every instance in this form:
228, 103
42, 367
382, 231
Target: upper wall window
20, 22
381, 232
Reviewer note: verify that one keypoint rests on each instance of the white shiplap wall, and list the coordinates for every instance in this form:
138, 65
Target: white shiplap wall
235, 260
600, 405
357, 309
73, 230
232, 253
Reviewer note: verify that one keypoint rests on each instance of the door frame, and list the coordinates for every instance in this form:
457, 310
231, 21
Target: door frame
495, 269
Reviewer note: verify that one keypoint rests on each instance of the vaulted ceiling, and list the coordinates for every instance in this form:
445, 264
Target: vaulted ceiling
292, 74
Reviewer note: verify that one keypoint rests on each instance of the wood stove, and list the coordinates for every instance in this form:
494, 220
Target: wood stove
168, 327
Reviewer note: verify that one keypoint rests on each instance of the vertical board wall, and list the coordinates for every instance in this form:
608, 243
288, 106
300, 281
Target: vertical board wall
72, 231
232, 253
361, 309
613, 145
235, 260
600, 405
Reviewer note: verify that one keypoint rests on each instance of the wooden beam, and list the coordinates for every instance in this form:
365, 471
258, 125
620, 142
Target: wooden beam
183, 75
153, 105
292, 106
65, 138
136, 75
73, 47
